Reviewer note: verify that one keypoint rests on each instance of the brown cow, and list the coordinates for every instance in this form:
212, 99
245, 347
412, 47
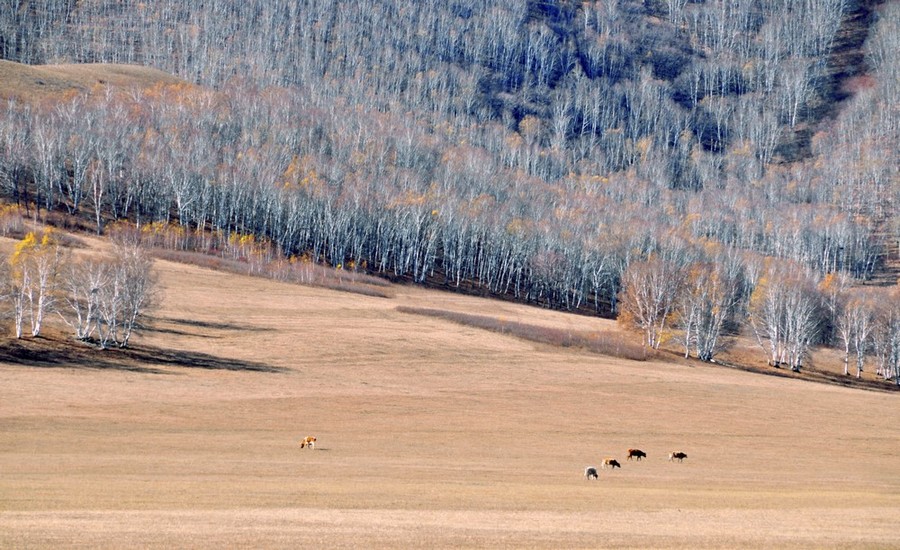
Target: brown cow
677, 455
611, 463
636, 453
308, 441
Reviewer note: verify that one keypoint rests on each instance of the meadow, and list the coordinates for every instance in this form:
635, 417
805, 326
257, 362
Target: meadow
430, 434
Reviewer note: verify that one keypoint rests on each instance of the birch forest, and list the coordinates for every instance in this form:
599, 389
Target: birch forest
696, 168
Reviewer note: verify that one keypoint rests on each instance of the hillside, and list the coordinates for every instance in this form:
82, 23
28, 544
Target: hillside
430, 433
567, 155
45, 82
538, 133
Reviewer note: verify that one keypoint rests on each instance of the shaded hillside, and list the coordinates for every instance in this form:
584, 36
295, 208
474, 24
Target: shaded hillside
845, 64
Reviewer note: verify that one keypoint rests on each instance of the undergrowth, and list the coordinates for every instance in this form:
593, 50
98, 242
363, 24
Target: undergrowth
301, 272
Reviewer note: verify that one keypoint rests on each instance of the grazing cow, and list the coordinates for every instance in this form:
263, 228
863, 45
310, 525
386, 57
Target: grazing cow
591, 473
677, 455
636, 453
308, 441
611, 463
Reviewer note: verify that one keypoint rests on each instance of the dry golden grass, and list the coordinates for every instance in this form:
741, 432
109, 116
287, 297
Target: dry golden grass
37, 82
430, 434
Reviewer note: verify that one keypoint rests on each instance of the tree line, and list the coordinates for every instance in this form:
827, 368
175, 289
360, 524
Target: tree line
352, 186
784, 306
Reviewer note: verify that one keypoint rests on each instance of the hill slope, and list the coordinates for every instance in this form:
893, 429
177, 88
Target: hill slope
538, 151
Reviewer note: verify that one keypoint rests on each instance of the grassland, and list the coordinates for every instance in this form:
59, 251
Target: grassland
40, 82
431, 434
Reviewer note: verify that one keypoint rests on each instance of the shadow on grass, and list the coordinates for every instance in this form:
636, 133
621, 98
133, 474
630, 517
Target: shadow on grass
817, 376
805, 374
192, 359
154, 327
59, 352
600, 342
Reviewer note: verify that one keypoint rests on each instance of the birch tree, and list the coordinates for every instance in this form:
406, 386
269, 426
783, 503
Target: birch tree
83, 282
34, 269
649, 290
784, 314
856, 324
887, 334
136, 283
707, 300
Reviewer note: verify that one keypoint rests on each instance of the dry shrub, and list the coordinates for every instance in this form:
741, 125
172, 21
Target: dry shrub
122, 233
12, 223
305, 271
200, 259
602, 342
64, 221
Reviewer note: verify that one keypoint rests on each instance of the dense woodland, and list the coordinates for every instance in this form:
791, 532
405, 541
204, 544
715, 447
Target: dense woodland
694, 167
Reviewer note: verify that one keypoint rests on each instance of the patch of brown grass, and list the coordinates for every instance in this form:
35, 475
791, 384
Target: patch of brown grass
609, 343
35, 83
12, 222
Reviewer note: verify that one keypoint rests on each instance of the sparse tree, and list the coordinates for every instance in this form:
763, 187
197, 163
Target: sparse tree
886, 334
833, 288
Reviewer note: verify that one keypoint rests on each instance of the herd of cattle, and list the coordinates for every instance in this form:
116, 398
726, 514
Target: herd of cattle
590, 472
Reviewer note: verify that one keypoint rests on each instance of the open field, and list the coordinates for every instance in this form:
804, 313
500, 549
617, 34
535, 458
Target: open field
38, 82
430, 434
